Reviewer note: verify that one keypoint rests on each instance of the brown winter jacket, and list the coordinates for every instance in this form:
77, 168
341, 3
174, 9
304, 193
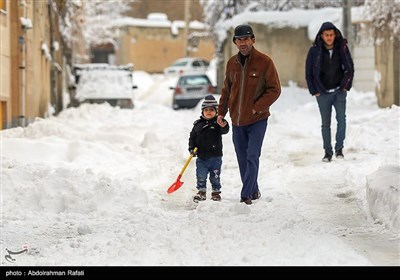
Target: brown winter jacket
254, 86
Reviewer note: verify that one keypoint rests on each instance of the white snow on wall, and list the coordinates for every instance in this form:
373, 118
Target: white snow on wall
46, 51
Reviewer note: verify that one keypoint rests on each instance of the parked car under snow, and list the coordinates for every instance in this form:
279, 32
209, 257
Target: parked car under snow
99, 83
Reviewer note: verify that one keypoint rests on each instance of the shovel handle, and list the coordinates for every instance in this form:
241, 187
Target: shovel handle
187, 162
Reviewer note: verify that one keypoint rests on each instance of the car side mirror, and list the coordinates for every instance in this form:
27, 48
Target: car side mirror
134, 87
171, 87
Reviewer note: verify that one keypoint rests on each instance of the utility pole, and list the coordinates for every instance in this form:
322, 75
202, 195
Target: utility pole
347, 24
186, 30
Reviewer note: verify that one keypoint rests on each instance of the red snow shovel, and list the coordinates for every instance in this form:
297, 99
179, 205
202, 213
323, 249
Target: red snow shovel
178, 182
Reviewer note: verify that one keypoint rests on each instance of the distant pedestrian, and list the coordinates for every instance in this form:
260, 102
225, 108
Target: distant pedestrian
206, 135
329, 75
250, 87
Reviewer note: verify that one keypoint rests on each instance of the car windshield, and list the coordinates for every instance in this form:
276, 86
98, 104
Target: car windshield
194, 81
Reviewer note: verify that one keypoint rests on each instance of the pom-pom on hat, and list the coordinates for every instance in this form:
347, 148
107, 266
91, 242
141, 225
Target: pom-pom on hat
209, 101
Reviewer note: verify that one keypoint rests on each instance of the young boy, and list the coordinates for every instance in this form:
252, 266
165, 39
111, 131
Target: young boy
206, 135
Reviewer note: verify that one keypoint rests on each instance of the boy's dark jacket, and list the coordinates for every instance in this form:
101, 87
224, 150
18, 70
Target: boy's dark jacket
206, 135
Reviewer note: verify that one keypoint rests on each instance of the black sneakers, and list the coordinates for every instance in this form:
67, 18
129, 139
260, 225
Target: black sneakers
327, 157
339, 154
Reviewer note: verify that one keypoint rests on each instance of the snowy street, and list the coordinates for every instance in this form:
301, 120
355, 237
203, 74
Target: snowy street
88, 187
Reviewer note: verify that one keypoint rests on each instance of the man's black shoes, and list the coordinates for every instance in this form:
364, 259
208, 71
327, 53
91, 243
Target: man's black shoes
256, 195
246, 200
339, 154
327, 157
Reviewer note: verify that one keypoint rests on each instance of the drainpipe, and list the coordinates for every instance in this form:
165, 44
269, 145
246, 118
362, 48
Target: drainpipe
53, 81
22, 119
186, 30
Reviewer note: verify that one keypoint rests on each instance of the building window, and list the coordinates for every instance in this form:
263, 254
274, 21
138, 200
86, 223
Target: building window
3, 5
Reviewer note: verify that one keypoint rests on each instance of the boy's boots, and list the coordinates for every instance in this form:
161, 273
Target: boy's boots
200, 196
216, 196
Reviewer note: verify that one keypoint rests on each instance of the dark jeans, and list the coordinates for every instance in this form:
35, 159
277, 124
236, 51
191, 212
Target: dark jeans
248, 141
336, 99
205, 167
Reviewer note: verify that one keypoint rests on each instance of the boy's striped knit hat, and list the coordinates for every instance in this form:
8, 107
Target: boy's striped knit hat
209, 101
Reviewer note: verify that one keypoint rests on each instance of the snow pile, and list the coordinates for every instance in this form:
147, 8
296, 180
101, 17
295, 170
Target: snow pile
383, 193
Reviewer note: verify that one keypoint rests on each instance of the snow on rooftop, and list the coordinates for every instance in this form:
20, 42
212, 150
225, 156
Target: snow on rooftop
296, 18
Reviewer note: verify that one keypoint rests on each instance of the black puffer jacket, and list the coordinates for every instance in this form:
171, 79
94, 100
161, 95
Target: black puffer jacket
206, 135
315, 56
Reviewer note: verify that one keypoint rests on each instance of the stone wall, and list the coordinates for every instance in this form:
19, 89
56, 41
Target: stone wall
387, 64
288, 48
151, 49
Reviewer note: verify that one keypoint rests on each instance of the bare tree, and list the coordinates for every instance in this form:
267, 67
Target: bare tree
385, 15
95, 19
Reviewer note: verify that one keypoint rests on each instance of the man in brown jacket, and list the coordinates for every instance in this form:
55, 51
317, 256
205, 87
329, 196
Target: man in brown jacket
251, 86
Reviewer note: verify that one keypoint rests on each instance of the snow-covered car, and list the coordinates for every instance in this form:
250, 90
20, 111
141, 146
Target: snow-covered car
190, 89
187, 65
99, 83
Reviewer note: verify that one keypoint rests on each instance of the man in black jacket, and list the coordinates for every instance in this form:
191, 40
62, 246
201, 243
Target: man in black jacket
206, 135
329, 75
